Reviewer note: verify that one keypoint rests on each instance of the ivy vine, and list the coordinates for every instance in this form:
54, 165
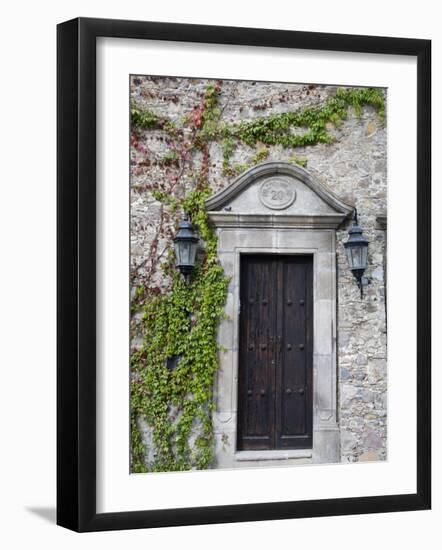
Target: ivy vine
178, 403
179, 323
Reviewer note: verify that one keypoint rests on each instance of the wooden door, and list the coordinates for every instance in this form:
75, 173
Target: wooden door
275, 408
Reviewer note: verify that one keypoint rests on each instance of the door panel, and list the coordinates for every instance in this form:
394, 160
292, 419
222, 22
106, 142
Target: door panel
294, 365
256, 383
275, 355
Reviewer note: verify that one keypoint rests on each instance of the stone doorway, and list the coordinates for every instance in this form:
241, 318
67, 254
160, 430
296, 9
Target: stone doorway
279, 209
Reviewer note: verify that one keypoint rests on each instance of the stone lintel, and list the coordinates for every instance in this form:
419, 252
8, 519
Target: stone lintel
239, 220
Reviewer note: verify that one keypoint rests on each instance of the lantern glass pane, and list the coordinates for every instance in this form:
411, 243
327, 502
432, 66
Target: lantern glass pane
357, 256
177, 252
192, 252
349, 257
364, 257
184, 253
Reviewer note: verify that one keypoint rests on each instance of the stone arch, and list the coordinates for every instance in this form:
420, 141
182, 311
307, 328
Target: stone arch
274, 169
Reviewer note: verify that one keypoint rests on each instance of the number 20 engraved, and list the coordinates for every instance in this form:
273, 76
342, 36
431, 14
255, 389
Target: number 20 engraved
277, 195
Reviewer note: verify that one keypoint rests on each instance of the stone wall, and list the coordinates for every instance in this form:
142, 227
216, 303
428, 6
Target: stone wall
354, 167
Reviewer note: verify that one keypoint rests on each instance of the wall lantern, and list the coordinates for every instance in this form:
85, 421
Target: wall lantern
186, 244
356, 248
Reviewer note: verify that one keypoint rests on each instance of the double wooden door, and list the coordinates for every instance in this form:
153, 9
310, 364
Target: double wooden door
275, 408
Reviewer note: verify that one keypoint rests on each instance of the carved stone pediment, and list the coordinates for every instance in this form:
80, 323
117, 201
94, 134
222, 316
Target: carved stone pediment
277, 194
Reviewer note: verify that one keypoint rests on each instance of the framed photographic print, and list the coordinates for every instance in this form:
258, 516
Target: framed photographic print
243, 274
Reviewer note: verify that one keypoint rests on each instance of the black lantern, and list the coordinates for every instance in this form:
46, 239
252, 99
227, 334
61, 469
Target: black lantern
356, 248
186, 244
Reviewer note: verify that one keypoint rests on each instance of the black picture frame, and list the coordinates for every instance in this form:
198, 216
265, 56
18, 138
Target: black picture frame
76, 274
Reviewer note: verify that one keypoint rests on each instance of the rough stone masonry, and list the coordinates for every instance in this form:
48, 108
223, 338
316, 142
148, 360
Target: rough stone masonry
354, 167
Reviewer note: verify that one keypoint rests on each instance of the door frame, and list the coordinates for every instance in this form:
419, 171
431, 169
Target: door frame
307, 224
321, 244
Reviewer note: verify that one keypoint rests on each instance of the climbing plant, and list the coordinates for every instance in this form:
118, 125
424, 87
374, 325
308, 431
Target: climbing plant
172, 371
177, 403
180, 324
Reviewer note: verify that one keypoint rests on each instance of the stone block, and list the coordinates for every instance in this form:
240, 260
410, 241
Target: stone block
324, 382
229, 306
347, 394
371, 439
224, 421
326, 446
325, 285
370, 129
377, 369
343, 338
224, 449
323, 317
325, 261
225, 334
378, 273
369, 456
344, 374
227, 240
361, 359
231, 239
348, 441
225, 382
367, 396
304, 239
227, 261
381, 401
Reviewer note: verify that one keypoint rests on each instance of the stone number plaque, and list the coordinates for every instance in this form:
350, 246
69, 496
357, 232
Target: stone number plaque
277, 193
